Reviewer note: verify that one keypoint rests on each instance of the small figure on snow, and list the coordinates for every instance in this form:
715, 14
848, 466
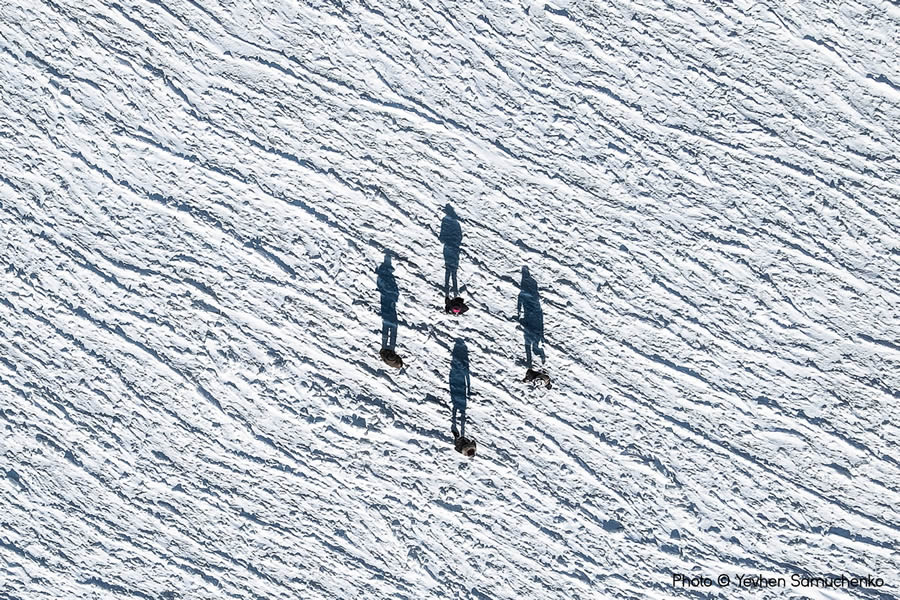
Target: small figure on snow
464, 445
391, 358
456, 306
533, 377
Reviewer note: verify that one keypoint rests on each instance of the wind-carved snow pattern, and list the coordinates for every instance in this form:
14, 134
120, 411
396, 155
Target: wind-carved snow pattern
195, 196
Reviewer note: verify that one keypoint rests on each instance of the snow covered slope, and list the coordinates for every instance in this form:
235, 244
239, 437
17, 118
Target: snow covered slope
195, 195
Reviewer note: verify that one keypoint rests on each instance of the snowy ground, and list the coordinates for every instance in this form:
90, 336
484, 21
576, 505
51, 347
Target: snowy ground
195, 195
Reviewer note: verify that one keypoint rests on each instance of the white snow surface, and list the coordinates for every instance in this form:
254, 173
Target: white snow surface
195, 195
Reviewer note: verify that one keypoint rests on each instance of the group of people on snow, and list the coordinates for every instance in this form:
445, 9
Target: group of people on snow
528, 313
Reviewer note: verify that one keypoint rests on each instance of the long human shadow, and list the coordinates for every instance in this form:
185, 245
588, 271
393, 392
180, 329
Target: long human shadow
387, 286
460, 386
530, 315
451, 237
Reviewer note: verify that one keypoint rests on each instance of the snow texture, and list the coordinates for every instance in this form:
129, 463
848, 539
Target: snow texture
195, 196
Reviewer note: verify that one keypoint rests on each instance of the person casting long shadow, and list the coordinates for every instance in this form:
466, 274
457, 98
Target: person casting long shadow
451, 237
460, 387
387, 287
528, 310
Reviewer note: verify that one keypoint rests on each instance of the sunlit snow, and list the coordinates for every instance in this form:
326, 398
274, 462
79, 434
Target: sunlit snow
197, 198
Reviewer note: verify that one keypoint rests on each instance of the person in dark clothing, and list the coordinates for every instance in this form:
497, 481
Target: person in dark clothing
391, 358
532, 376
456, 306
464, 445
460, 386
529, 313
451, 237
387, 286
